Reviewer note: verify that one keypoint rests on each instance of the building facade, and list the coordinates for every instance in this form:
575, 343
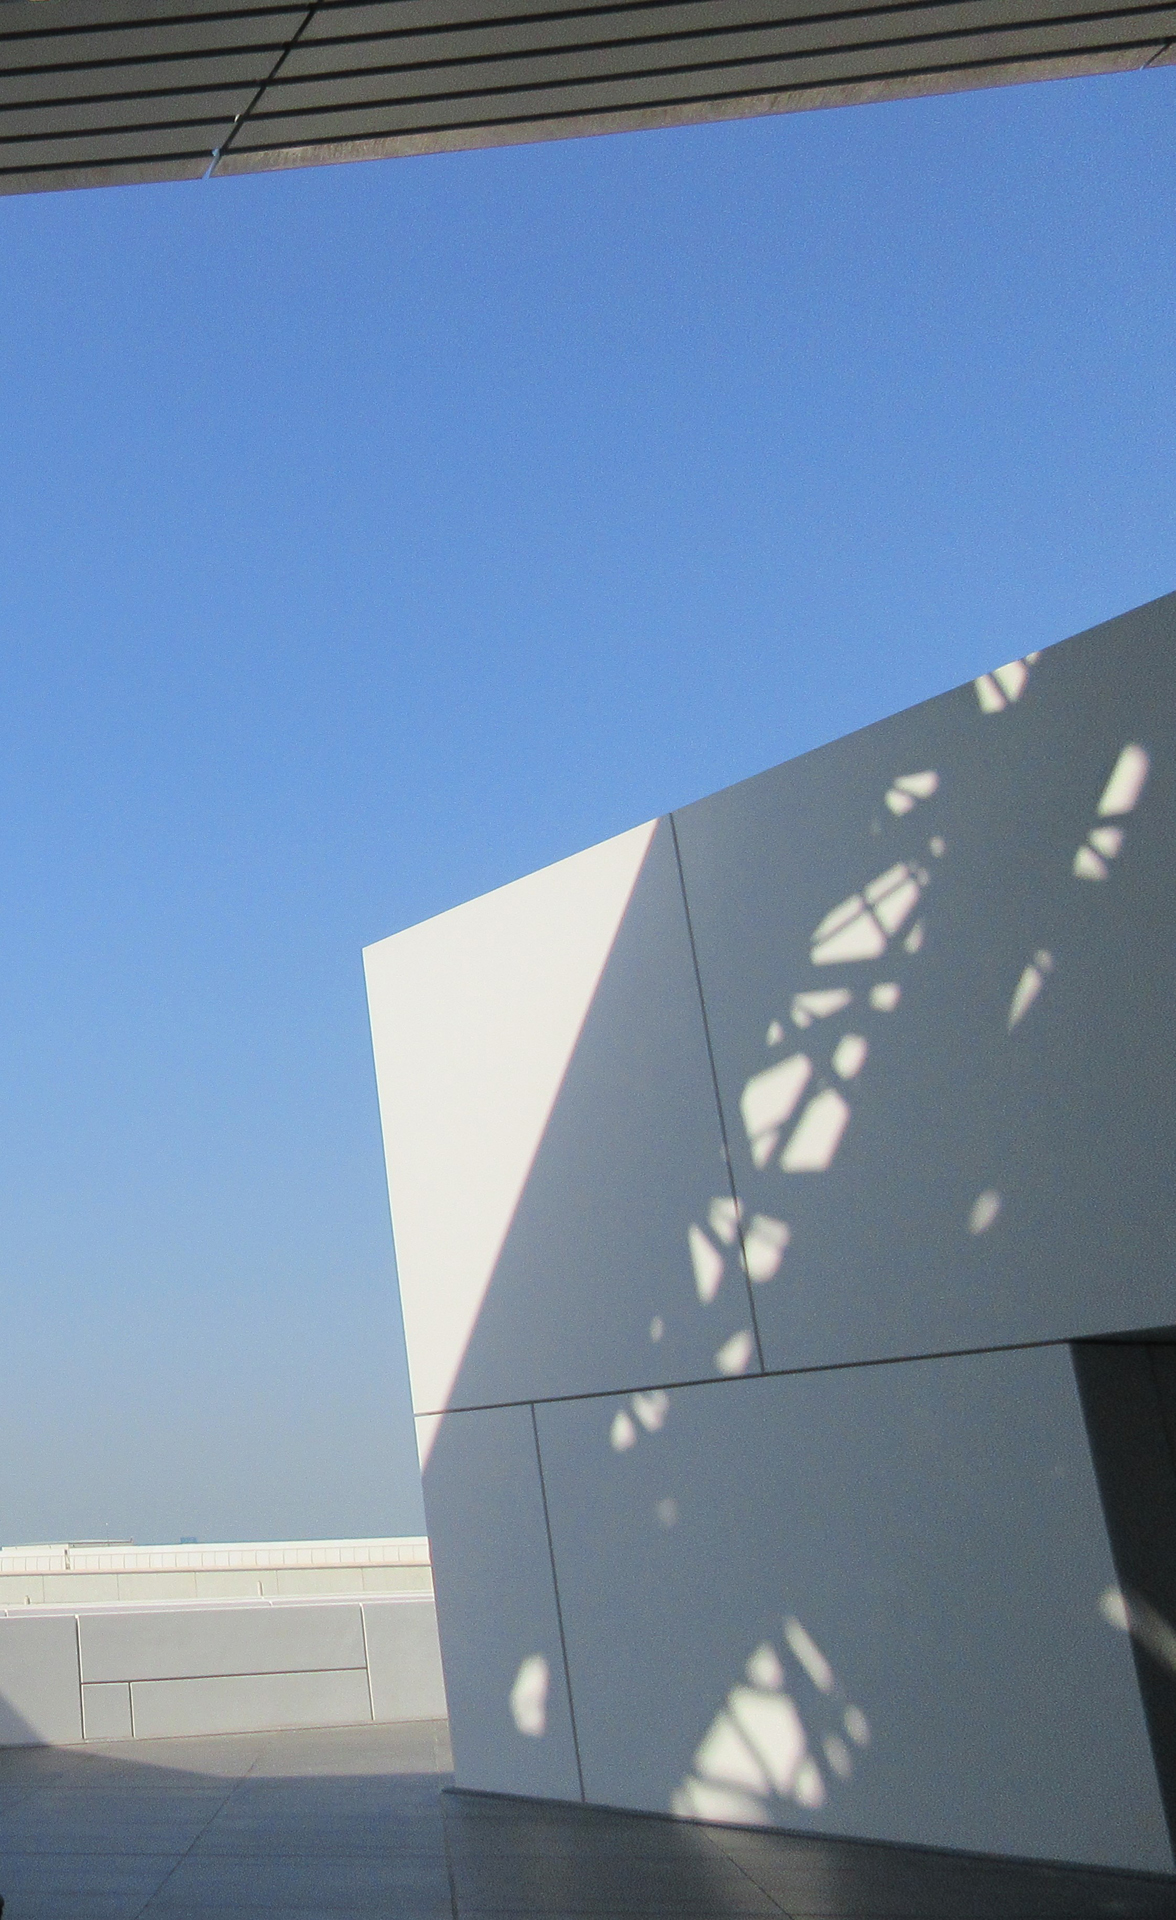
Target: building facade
782, 1202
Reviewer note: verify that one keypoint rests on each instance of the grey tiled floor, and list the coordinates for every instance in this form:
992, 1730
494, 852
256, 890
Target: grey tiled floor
340, 1822
526, 1860
353, 1821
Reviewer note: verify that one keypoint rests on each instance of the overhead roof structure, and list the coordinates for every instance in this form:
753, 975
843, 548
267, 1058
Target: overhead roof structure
94, 92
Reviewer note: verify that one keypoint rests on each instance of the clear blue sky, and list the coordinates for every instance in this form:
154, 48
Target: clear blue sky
372, 535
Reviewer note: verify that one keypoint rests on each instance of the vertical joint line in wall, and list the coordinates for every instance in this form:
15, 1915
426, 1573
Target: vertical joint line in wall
710, 1054
81, 1695
563, 1645
367, 1661
131, 1708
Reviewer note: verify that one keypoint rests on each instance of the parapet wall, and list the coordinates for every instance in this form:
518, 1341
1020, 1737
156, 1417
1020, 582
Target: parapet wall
116, 1673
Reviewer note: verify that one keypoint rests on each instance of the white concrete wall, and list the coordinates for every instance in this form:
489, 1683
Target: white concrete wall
739, 1504
106, 1673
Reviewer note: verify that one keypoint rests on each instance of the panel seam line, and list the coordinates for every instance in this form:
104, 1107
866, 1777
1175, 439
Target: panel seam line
563, 1644
710, 1054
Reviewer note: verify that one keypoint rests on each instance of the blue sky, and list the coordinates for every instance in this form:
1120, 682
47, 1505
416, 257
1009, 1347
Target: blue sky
372, 535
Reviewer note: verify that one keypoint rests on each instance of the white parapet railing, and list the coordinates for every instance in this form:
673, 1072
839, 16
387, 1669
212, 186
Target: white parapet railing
123, 1556
106, 1572
106, 1640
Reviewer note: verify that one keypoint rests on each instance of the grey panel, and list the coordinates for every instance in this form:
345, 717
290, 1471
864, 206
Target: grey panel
404, 1660
597, 1258
1128, 1394
155, 89
174, 1643
497, 1609
877, 1611
97, 120
534, 55
40, 1696
437, 81
483, 74
1005, 1171
249, 1703
106, 1710
345, 111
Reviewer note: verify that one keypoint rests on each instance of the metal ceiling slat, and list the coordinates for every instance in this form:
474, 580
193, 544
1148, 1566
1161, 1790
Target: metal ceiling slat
128, 48
213, 73
697, 49
106, 145
49, 20
710, 106
88, 87
72, 119
602, 82
347, 19
405, 21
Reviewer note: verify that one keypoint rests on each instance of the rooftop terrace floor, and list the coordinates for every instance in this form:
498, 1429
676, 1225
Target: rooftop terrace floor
357, 1822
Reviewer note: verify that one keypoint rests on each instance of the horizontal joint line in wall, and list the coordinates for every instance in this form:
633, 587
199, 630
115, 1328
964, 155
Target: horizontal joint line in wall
769, 1373
249, 1673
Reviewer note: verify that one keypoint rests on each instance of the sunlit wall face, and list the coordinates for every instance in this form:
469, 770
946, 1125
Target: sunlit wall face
728, 1162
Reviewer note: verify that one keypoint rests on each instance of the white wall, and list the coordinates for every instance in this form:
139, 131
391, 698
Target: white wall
109, 1673
877, 1073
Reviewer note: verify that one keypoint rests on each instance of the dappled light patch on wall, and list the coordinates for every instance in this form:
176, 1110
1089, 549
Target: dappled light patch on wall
528, 1696
1120, 796
785, 1732
1003, 688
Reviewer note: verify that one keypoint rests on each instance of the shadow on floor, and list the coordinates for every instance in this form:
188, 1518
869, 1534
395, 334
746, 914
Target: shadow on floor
342, 1823
351, 1823
547, 1860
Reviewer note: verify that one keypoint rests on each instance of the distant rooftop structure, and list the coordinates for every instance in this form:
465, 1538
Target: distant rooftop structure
96, 92
104, 1571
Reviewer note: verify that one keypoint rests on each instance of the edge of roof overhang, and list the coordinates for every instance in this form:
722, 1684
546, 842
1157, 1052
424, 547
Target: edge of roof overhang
521, 132
120, 173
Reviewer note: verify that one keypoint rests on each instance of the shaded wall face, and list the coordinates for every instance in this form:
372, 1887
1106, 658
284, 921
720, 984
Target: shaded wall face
987, 1021
873, 1065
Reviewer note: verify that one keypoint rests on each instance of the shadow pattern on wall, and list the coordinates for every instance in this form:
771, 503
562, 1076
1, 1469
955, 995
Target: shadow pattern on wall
879, 1069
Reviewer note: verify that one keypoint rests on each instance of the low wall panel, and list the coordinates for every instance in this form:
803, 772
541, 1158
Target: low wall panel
40, 1698
249, 1703
106, 1710
404, 1660
190, 1642
510, 1715
868, 1601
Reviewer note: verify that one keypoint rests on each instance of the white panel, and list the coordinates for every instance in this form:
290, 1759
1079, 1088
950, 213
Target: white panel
475, 1015
40, 1696
972, 969
106, 1710
865, 1601
249, 1703
404, 1659
180, 1642
509, 1711
601, 1282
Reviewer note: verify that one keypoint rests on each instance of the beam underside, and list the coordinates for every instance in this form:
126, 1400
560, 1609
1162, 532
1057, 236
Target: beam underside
92, 96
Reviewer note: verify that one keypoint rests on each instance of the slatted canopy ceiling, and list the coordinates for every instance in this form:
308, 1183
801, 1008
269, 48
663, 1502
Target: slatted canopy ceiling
98, 91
